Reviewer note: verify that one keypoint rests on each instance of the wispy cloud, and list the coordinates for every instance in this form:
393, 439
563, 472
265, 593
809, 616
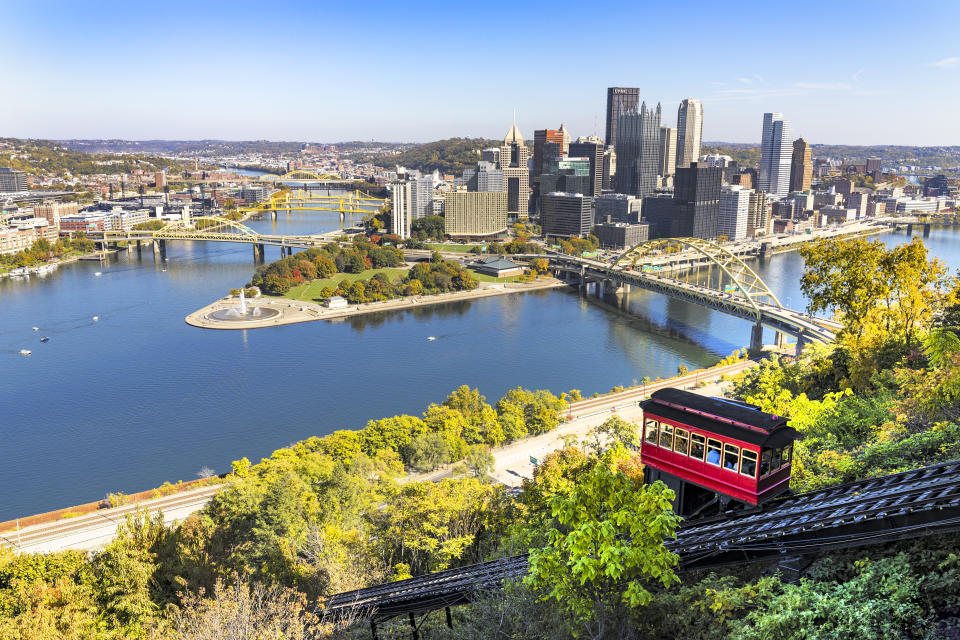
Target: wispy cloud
856, 76
946, 63
824, 86
744, 80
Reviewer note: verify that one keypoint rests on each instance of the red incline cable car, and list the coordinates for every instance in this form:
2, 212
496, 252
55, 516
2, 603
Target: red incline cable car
713, 450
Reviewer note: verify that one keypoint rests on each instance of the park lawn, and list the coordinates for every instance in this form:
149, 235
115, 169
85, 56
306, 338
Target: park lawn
454, 248
308, 291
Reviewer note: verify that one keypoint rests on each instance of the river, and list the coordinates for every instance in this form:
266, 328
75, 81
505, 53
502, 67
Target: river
139, 397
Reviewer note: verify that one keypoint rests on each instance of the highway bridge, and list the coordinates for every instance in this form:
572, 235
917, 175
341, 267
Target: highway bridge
735, 289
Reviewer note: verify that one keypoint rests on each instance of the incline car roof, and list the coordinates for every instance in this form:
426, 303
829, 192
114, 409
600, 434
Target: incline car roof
725, 417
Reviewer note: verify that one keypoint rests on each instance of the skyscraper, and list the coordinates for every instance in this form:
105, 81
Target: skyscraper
638, 140
400, 209
697, 194
801, 168
548, 145
566, 214
516, 174
609, 167
591, 148
619, 100
776, 150
689, 131
667, 151
479, 213
734, 211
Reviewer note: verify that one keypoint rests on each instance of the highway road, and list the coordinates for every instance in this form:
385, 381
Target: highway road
94, 530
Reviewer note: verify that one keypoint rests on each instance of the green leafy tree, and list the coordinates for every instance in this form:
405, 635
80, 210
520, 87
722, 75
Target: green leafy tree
479, 460
607, 543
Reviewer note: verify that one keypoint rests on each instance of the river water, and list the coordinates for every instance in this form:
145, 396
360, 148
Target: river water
139, 397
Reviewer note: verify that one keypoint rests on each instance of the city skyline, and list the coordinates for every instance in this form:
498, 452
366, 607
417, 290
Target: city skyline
207, 71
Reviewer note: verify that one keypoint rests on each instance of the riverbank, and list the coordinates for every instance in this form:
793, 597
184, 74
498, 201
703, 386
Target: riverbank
294, 311
91, 526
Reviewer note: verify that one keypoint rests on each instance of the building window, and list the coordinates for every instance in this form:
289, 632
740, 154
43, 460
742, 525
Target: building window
713, 452
731, 455
680, 441
651, 430
748, 463
698, 446
775, 462
666, 436
787, 451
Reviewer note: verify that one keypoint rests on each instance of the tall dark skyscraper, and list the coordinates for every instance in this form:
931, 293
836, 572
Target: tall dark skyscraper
694, 209
591, 148
638, 151
619, 100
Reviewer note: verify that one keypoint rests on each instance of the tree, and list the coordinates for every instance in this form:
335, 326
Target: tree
242, 611
843, 275
539, 265
479, 460
605, 544
427, 451
614, 430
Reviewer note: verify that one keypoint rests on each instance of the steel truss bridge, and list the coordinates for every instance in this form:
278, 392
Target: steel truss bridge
792, 529
734, 288
352, 202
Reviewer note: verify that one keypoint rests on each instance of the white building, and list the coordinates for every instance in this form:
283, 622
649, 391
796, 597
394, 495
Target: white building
734, 211
776, 154
421, 195
400, 208
716, 160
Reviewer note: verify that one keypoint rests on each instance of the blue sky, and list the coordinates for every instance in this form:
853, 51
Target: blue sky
842, 72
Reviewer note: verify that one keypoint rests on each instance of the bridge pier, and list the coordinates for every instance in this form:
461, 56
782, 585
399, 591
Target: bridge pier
926, 230
779, 339
801, 343
910, 229
139, 249
163, 250
756, 338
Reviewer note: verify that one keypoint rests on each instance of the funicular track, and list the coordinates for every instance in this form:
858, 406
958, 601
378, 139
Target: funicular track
910, 504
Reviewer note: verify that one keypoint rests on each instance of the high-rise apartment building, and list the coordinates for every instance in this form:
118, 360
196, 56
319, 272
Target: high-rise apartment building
667, 151
758, 215
12, 180
421, 195
566, 214
689, 131
475, 213
638, 142
734, 211
776, 149
801, 166
516, 174
619, 100
486, 177
400, 208
592, 149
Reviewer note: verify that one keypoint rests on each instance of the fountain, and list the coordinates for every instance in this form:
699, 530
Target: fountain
243, 312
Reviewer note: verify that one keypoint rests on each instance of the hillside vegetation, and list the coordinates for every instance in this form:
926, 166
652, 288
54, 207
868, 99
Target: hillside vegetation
452, 155
332, 514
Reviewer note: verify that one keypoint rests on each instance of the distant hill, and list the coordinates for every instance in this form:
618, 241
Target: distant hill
49, 158
452, 155
748, 154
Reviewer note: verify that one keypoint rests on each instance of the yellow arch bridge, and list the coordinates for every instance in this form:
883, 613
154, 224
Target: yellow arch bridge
213, 229
351, 202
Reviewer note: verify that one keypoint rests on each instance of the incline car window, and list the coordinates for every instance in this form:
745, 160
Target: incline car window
666, 436
730, 456
680, 441
651, 427
748, 463
697, 446
713, 452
